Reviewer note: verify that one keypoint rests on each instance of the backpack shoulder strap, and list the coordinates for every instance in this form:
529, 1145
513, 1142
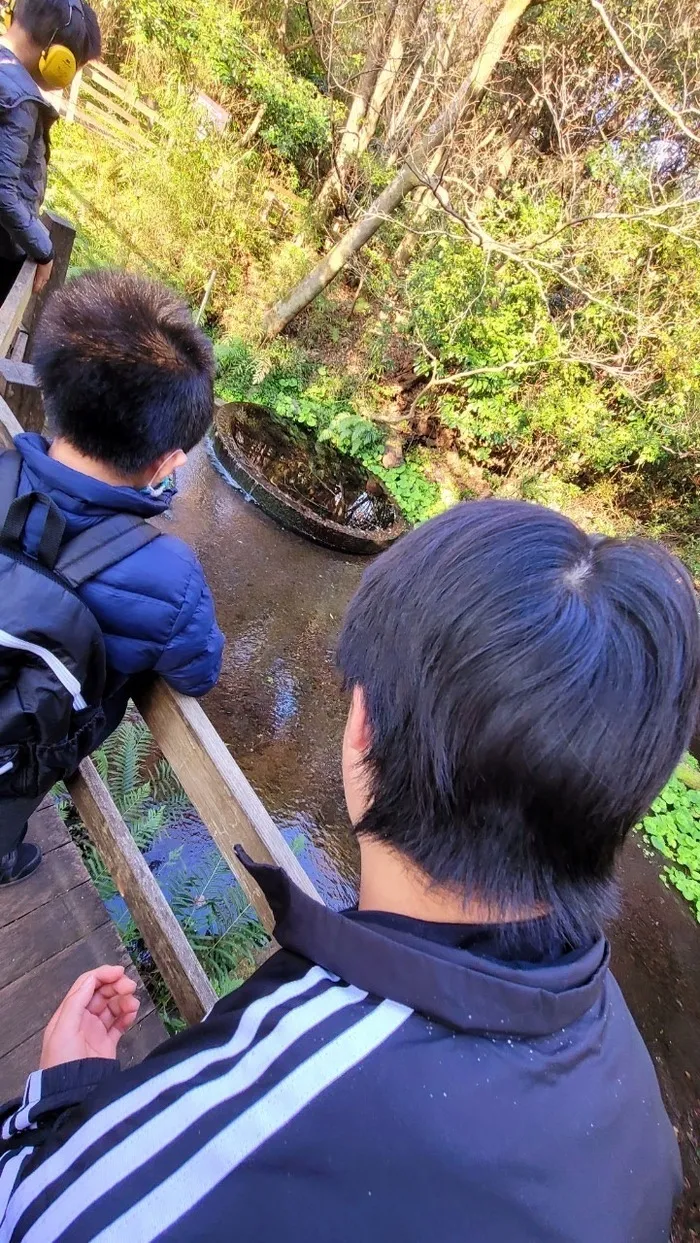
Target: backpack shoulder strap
105, 544
10, 471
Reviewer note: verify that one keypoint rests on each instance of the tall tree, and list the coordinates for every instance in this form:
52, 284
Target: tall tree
411, 174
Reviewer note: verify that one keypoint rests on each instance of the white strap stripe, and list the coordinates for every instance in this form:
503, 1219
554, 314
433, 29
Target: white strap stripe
97, 1127
142, 1144
68, 680
32, 1094
167, 1203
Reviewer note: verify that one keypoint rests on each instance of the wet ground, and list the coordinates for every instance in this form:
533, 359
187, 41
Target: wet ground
279, 707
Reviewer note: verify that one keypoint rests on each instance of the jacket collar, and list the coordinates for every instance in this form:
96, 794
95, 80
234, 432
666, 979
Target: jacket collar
74, 491
18, 85
463, 990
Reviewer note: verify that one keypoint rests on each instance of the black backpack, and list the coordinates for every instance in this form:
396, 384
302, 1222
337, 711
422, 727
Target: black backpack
52, 654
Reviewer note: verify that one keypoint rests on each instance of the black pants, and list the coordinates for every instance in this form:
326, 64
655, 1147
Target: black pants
9, 271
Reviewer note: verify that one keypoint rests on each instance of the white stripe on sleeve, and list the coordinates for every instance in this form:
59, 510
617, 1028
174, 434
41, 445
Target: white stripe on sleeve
98, 1127
9, 1173
20, 1119
167, 1203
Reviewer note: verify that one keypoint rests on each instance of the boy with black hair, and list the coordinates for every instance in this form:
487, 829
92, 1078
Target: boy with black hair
44, 43
453, 1059
127, 382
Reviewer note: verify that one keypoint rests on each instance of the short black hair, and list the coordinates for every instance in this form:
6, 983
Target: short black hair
70, 22
125, 374
530, 689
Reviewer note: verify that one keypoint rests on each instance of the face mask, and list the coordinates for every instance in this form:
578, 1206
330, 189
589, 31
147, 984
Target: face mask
156, 490
159, 489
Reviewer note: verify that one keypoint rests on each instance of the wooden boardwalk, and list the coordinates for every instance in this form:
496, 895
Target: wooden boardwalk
54, 926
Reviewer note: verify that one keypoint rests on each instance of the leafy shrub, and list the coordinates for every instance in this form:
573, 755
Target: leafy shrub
176, 210
219, 47
673, 828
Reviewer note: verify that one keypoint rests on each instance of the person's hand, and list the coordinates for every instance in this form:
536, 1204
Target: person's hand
42, 275
91, 1019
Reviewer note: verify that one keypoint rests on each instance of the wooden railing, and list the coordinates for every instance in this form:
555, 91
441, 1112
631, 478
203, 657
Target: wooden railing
226, 802
102, 101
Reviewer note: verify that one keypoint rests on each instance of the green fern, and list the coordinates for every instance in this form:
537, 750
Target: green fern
151, 800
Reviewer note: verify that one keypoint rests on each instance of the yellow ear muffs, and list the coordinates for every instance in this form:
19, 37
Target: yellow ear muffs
8, 14
58, 67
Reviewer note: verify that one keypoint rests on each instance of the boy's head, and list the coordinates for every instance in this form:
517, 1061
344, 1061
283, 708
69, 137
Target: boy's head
72, 23
127, 378
522, 691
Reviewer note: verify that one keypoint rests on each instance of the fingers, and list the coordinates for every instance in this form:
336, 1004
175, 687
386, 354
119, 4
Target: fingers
123, 987
130, 1009
99, 976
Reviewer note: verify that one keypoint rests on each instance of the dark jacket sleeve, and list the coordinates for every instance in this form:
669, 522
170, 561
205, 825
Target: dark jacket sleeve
191, 661
17, 217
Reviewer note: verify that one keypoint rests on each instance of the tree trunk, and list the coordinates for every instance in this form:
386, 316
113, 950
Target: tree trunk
424, 198
405, 27
332, 189
408, 177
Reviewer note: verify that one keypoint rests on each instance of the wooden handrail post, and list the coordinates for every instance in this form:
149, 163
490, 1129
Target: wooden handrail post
224, 798
14, 308
27, 402
164, 938
9, 427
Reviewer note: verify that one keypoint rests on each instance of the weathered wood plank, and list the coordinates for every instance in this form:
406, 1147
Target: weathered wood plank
132, 876
17, 1064
147, 1034
51, 928
47, 829
26, 402
109, 104
15, 305
9, 427
224, 798
28, 1003
130, 133
60, 871
120, 87
93, 125
18, 373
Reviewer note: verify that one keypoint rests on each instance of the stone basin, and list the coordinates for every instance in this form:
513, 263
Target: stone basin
309, 487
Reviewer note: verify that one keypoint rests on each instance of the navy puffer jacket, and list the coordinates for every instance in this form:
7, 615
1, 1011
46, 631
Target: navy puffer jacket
154, 608
25, 122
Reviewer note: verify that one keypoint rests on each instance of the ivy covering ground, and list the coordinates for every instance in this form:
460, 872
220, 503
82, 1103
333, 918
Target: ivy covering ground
673, 828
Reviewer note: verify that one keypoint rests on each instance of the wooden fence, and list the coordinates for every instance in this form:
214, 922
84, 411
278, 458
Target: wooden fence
226, 802
104, 102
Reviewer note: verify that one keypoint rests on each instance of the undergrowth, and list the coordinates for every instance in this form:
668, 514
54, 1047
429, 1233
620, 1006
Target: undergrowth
208, 902
673, 828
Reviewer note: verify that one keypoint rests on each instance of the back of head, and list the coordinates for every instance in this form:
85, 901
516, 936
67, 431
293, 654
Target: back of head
70, 22
126, 376
529, 689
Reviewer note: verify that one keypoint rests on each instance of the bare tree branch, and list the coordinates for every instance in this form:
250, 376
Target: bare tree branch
646, 81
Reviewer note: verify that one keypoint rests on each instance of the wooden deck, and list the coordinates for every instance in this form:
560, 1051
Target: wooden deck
54, 926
